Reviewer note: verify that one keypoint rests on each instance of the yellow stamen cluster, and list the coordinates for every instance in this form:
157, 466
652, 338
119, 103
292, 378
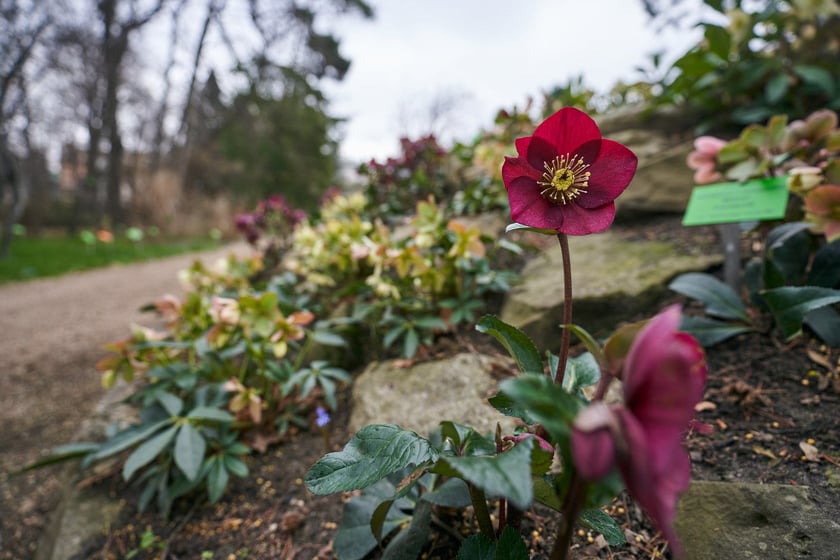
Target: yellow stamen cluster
565, 178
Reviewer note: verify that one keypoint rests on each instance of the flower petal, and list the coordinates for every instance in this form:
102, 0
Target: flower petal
593, 453
664, 374
522, 146
528, 207
583, 221
593, 448
567, 129
611, 172
514, 168
655, 475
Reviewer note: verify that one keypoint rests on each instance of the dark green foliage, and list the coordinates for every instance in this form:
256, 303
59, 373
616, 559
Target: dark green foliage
280, 144
773, 57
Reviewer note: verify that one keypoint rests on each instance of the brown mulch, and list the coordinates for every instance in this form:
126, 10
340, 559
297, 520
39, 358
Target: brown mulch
765, 400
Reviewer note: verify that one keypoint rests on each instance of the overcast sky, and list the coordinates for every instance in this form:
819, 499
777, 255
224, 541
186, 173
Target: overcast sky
486, 54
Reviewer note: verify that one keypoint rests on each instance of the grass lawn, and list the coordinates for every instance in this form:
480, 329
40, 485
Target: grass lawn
36, 257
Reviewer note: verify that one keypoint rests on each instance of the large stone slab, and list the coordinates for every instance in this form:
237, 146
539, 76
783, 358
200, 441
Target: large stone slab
612, 279
739, 521
663, 182
662, 141
419, 398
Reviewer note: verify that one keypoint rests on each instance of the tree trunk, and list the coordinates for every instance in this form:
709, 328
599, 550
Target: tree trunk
214, 7
9, 179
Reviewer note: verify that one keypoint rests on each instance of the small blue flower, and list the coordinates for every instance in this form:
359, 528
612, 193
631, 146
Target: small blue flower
321, 417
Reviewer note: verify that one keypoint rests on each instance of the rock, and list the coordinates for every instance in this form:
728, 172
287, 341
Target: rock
613, 280
663, 182
420, 397
83, 514
662, 141
754, 521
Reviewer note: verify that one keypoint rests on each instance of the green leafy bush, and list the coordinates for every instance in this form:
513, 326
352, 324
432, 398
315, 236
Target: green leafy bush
775, 57
797, 277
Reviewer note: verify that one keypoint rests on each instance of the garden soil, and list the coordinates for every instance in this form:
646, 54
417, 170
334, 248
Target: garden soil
772, 406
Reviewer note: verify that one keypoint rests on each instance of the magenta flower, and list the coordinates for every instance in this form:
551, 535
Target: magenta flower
664, 377
566, 176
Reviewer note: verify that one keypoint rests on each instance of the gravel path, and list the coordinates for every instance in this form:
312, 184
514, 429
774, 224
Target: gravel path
51, 335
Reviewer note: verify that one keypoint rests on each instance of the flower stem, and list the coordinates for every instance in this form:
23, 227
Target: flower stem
482, 514
567, 307
571, 509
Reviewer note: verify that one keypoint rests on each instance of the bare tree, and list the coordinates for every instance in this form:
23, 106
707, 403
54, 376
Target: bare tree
115, 35
157, 148
21, 26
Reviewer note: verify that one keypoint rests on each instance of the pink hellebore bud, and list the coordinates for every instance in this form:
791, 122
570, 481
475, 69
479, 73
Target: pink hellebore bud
224, 310
664, 376
704, 159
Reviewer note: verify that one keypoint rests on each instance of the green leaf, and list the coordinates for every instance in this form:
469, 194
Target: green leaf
210, 413
718, 298
354, 538
235, 465
825, 322
599, 521
372, 454
189, 450
581, 371
521, 227
147, 452
776, 88
173, 404
709, 332
511, 546
508, 407
747, 115
328, 339
392, 335
817, 77
825, 270
790, 305
618, 345
60, 454
719, 40
217, 479
545, 493
788, 251
477, 547
507, 474
128, 438
430, 323
453, 493
409, 542
517, 343
588, 341
733, 152
410, 343
546, 403
458, 433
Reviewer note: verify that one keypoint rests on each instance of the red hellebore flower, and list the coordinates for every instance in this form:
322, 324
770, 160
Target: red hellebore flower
664, 376
566, 177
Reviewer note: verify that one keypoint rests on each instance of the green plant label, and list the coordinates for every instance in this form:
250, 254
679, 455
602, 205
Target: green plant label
723, 203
